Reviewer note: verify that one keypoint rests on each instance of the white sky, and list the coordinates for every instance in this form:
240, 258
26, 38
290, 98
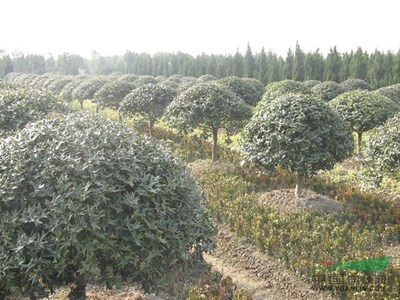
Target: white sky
196, 26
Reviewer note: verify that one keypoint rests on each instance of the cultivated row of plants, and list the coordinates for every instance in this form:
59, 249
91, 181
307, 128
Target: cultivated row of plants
290, 129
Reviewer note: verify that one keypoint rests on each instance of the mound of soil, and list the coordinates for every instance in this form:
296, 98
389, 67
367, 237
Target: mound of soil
285, 201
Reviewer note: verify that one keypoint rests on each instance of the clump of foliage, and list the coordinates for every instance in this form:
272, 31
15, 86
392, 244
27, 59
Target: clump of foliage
20, 105
206, 78
59, 83
363, 110
149, 101
242, 89
144, 79
209, 107
276, 89
383, 151
257, 84
128, 78
67, 90
112, 93
299, 133
355, 84
327, 90
391, 91
311, 83
87, 89
84, 196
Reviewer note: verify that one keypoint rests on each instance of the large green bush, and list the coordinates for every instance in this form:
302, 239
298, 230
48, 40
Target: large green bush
299, 133
280, 88
327, 90
355, 84
20, 105
87, 89
149, 101
83, 196
208, 106
391, 91
383, 150
363, 110
242, 89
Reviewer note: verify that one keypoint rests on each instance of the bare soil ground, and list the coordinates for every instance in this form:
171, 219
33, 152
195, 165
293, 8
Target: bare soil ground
285, 201
252, 270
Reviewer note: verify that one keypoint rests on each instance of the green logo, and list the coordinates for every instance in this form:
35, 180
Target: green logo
367, 264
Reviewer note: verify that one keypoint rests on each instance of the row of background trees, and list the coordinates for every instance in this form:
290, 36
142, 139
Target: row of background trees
377, 68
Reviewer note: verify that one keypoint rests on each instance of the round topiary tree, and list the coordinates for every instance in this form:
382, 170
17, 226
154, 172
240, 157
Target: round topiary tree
208, 106
145, 79
206, 78
83, 196
277, 89
257, 84
363, 110
242, 89
87, 89
150, 101
20, 105
112, 93
327, 90
355, 84
67, 90
311, 83
59, 83
383, 151
128, 78
299, 133
391, 91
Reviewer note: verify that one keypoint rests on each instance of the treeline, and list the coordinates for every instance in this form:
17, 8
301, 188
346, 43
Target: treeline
377, 68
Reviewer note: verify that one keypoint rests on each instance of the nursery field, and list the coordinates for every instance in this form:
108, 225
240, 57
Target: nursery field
137, 187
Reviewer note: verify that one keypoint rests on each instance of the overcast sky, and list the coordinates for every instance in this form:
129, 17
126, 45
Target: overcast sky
210, 26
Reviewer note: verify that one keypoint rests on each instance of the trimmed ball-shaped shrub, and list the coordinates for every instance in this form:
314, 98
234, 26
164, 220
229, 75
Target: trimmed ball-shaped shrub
86, 89
299, 133
149, 100
67, 90
355, 84
391, 91
311, 83
21, 105
128, 78
206, 78
112, 93
59, 83
382, 153
83, 196
280, 88
363, 110
327, 90
242, 89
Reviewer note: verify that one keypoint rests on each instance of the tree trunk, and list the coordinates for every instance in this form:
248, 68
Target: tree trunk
151, 127
78, 291
97, 108
299, 185
119, 116
215, 145
359, 143
81, 102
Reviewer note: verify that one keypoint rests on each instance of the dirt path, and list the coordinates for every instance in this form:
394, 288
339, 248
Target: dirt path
251, 270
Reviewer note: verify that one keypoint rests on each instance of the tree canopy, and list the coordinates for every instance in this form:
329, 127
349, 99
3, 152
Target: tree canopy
299, 133
208, 106
82, 196
149, 100
363, 110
